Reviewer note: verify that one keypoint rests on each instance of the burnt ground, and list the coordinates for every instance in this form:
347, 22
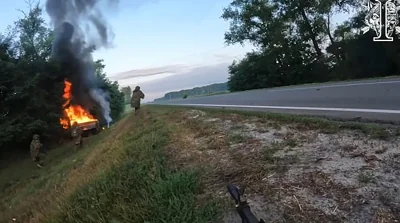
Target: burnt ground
292, 172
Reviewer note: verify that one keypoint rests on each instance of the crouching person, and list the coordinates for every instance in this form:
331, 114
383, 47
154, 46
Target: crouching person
76, 133
35, 148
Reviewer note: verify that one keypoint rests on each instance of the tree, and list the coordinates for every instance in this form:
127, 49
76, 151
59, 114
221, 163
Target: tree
35, 38
116, 97
31, 90
31, 85
295, 43
283, 57
197, 91
127, 91
250, 21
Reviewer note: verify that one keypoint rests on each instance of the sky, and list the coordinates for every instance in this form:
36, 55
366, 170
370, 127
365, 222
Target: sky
162, 45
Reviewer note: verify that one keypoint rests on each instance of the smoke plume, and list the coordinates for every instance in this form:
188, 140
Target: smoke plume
80, 29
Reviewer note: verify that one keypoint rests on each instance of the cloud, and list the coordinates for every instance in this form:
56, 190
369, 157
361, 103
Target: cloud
195, 77
148, 72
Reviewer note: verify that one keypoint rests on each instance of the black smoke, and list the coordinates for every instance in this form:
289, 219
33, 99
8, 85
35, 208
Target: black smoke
80, 28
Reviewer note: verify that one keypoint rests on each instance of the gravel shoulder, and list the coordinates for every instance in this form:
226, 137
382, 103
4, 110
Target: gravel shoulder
292, 171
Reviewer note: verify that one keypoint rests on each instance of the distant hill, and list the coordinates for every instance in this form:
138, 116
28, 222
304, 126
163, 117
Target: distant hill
197, 91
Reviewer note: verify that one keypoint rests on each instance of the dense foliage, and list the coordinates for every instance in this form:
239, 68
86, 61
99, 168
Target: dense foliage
116, 97
296, 43
204, 90
31, 84
127, 91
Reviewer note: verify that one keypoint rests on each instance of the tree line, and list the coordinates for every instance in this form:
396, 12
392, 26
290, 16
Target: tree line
31, 84
296, 43
197, 91
127, 91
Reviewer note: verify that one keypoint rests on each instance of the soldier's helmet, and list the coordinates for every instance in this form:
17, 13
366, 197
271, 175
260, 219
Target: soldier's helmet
74, 124
137, 88
36, 136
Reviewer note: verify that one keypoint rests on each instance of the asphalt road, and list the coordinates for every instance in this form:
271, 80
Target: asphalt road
371, 100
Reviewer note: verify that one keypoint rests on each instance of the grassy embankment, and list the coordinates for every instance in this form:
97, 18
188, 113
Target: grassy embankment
121, 175
169, 165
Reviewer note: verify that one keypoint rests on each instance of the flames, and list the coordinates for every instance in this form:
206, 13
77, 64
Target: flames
73, 113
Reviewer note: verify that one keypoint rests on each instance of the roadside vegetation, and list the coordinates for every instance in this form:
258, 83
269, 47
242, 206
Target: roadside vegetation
121, 175
172, 164
294, 168
31, 87
298, 42
195, 92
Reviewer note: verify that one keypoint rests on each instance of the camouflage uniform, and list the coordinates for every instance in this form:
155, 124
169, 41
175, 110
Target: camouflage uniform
35, 147
137, 94
76, 133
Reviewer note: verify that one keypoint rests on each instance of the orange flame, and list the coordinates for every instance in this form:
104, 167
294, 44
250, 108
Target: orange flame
73, 113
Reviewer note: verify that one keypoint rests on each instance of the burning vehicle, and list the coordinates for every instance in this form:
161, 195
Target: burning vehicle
75, 113
80, 29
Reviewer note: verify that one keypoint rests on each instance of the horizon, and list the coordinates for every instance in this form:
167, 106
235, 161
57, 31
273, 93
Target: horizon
167, 46
188, 89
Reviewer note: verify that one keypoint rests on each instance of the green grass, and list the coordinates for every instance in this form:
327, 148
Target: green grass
291, 143
141, 188
271, 150
367, 177
121, 175
238, 138
22, 181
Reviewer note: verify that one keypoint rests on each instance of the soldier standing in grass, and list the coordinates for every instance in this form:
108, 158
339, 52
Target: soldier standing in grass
35, 147
137, 94
76, 133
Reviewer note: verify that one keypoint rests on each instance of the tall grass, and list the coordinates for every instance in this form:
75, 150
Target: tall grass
141, 187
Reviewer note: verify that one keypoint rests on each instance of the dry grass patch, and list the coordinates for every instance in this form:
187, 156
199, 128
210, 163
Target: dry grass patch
295, 169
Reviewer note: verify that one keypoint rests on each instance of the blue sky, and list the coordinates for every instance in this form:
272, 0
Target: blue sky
171, 37
164, 32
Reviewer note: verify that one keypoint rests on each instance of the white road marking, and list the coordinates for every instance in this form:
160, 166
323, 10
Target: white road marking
382, 111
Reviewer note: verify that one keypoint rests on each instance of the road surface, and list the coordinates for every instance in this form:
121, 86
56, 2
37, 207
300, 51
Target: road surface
371, 100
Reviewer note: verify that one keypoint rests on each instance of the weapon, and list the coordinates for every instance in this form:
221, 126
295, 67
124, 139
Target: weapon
242, 207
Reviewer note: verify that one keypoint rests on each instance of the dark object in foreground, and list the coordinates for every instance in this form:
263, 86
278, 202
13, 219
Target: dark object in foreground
92, 126
242, 207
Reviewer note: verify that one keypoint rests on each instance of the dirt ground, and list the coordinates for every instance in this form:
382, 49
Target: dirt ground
292, 173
